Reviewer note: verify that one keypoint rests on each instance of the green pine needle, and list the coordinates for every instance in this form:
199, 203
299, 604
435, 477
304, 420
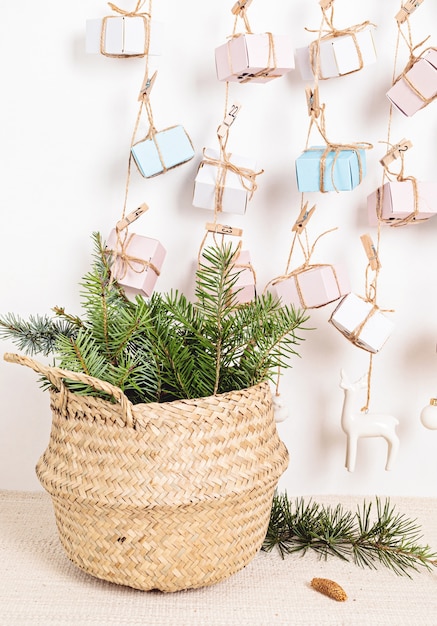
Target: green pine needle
390, 539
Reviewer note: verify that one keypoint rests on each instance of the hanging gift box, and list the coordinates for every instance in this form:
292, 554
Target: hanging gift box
417, 86
124, 36
254, 58
224, 185
362, 323
162, 151
336, 55
402, 202
312, 287
244, 288
136, 262
320, 169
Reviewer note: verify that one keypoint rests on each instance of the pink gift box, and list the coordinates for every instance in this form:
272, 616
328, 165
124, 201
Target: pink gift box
423, 75
397, 201
254, 58
313, 287
244, 287
137, 275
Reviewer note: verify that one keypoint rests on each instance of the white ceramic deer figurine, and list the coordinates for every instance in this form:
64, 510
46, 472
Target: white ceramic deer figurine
357, 424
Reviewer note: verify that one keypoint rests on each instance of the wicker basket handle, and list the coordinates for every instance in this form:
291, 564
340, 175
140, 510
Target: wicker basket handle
56, 375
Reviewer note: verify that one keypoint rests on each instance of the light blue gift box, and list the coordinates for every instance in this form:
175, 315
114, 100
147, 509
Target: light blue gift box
167, 149
346, 169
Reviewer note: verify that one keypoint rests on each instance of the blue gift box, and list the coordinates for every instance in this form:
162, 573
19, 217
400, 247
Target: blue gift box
343, 177
167, 149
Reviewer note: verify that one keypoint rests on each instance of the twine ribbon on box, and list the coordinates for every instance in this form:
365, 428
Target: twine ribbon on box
122, 262
330, 32
318, 120
411, 62
146, 16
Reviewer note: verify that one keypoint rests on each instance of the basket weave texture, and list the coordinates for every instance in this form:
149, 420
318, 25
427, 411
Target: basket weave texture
165, 496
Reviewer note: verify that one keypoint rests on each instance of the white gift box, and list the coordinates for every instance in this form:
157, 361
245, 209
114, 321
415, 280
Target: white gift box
234, 195
123, 36
244, 288
313, 287
362, 323
338, 55
167, 149
138, 274
254, 58
397, 201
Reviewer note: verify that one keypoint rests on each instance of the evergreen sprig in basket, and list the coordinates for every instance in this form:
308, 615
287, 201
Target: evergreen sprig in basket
175, 492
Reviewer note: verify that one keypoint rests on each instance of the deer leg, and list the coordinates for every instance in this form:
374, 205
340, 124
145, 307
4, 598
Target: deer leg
351, 452
393, 447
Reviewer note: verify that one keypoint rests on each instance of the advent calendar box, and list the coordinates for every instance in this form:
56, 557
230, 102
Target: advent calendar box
339, 171
362, 323
313, 287
124, 36
235, 192
395, 201
338, 56
255, 58
412, 92
244, 288
168, 148
136, 268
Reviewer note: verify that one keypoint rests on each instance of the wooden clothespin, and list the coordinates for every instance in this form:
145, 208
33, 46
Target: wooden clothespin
409, 7
147, 86
224, 127
396, 152
371, 252
303, 219
223, 230
313, 102
326, 4
241, 5
134, 215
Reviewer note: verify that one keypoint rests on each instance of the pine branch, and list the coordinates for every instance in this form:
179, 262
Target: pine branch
391, 539
37, 335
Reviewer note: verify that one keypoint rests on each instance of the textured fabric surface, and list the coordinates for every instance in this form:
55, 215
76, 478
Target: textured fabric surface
39, 586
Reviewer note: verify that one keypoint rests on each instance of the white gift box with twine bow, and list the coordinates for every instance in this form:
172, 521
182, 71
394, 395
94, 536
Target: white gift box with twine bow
136, 262
124, 36
362, 323
234, 189
338, 55
254, 58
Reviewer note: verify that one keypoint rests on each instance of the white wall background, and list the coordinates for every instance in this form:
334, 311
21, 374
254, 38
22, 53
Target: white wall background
66, 125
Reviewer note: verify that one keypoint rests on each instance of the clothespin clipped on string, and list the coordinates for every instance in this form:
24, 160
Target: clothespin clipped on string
409, 7
224, 127
221, 229
241, 5
396, 152
134, 215
147, 87
326, 4
371, 252
313, 102
303, 219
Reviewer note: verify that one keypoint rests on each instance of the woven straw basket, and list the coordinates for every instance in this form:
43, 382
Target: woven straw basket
164, 496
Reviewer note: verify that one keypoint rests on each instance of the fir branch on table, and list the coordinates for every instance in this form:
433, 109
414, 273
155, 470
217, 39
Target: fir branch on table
390, 539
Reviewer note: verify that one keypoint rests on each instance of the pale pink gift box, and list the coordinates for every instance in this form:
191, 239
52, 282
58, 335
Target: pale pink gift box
244, 287
318, 285
254, 58
397, 201
135, 277
423, 75
362, 323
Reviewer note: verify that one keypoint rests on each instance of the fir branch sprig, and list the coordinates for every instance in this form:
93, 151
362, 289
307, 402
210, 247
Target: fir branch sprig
390, 539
